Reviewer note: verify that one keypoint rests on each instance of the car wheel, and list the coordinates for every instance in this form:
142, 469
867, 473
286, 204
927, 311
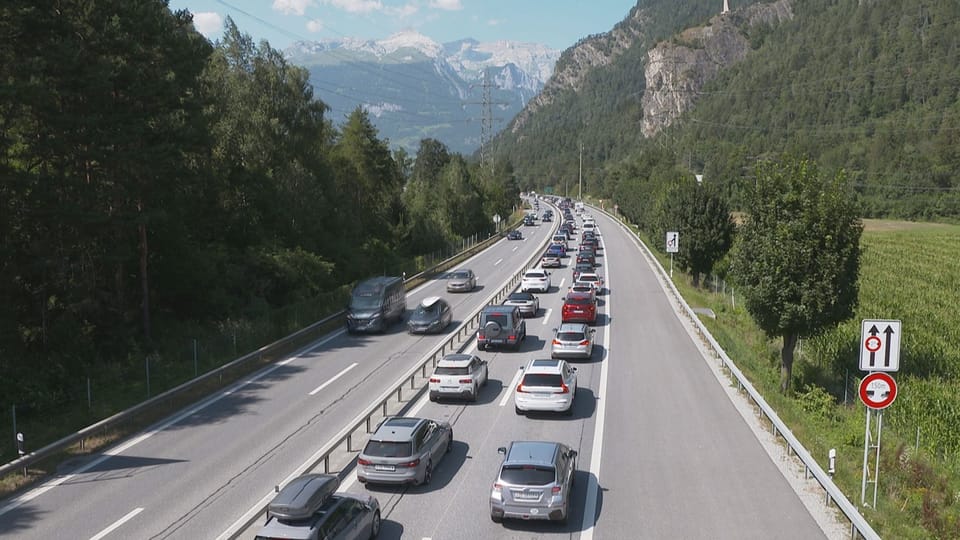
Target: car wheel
375, 526
569, 411
475, 394
495, 518
517, 410
449, 443
428, 474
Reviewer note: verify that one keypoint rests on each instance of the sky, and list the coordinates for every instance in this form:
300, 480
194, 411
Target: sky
557, 24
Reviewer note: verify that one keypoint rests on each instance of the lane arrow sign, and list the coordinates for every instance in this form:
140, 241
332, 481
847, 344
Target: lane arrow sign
880, 349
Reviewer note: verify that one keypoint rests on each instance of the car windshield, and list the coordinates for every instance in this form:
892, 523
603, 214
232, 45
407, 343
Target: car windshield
543, 379
527, 475
446, 370
388, 449
360, 302
461, 274
570, 336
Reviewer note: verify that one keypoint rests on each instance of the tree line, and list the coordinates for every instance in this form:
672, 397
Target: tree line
152, 178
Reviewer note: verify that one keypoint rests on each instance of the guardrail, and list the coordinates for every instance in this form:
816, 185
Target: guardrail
858, 524
258, 355
378, 408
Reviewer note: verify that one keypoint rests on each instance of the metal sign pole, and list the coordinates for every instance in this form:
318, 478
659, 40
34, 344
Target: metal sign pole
671, 265
876, 470
866, 454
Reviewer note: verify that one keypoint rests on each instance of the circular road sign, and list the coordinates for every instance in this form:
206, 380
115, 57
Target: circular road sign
878, 390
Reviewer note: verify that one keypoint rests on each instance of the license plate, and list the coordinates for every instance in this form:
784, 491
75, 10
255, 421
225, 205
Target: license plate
542, 394
520, 496
387, 468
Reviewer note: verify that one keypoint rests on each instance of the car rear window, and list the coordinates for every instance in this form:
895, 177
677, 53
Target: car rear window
388, 449
452, 370
543, 379
536, 275
498, 318
570, 336
528, 475
579, 301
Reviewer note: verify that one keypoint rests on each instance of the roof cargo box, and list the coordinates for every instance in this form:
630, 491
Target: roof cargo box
303, 496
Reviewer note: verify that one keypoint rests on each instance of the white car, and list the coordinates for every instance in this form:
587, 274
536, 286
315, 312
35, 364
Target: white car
591, 278
458, 375
547, 385
535, 280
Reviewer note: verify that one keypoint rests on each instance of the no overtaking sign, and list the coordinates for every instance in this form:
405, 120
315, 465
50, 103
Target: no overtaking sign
879, 345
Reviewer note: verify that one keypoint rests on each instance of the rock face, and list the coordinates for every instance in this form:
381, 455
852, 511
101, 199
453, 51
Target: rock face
678, 69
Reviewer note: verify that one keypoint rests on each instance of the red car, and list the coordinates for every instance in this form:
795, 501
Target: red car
579, 307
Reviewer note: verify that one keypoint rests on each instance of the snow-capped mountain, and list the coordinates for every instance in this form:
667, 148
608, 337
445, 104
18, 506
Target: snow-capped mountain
414, 87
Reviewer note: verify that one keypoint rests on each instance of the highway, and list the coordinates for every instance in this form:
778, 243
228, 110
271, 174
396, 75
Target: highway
663, 453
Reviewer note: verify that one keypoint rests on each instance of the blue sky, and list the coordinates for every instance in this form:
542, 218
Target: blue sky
555, 23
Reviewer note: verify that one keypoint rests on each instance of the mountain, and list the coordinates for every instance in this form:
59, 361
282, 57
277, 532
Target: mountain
414, 87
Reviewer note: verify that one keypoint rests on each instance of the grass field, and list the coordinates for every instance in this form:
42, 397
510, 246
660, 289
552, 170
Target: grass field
909, 272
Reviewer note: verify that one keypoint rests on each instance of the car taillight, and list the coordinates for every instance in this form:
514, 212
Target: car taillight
520, 388
497, 487
557, 342
556, 490
564, 389
466, 381
413, 463
434, 379
361, 461
585, 342
480, 336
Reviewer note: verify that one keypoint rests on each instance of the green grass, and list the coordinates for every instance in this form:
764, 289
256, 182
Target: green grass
909, 272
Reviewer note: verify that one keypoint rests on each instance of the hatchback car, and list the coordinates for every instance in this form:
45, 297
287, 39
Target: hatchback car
463, 280
535, 280
546, 385
550, 260
558, 248
535, 481
593, 279
579, 307
587, 256
572, 340
528, 303
583, 288
458, 375
515, 234
432, 315
501, 325
404, 451
310, 508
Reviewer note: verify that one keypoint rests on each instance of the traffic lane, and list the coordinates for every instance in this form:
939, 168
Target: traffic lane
680, 458
243, 442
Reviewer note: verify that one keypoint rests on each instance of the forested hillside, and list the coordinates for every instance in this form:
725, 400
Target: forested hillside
157, 188
870, 87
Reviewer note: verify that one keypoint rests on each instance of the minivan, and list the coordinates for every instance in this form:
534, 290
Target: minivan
375, 303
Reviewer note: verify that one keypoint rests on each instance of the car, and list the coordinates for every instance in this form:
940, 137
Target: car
560, 238
432, 316
528, 221
404, 450
462, 280
559, 249
548, 385
585, 288
501, 325
550, 260
375, 303
590, 226
535, 280
580, 268
579, 307
592, 278
572, 340
590, 243
547, 218
515, 234
458, 375
528, 303
535, 481
587, 255
309, 506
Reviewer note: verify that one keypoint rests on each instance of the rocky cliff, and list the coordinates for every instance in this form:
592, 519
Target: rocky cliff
678, 69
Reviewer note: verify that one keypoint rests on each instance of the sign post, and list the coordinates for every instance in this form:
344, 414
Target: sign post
496, 219
673, 246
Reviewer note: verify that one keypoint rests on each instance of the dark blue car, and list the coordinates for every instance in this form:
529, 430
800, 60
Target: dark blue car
557, 249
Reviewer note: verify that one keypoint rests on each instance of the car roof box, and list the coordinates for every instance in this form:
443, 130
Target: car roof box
303, 496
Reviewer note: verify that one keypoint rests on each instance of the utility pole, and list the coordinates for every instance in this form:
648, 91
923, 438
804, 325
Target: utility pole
486, 122
580, 175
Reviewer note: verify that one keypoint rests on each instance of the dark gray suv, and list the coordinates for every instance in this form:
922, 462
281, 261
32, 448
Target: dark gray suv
501, 325
309, 508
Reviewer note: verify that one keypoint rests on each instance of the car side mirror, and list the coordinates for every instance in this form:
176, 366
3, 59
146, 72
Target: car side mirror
502, 450
574, 368
572, 453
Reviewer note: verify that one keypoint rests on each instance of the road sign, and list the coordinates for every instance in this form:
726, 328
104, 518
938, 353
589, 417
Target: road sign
879, 345
878, 390
673, 242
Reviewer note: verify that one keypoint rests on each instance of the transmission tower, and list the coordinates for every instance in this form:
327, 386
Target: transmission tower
486, 117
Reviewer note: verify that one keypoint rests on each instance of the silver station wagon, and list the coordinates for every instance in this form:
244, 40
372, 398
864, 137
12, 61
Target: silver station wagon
535, 482
404, 450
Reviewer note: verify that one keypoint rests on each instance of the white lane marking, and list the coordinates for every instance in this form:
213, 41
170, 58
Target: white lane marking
513, 384
33, 494
335, 377
498, 262
117, 523
546, 316
515, 248
562, 281
596, 452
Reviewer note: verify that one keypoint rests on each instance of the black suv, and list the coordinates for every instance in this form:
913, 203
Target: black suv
501, 325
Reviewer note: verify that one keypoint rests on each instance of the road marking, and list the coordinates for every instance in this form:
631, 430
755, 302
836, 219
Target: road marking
513, 384
546, 316
596, 452
335, 377
498, 262
33, 494
515, 248
562, 281
117, 523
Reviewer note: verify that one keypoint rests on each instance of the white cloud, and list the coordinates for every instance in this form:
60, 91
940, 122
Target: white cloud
291, 7
208, 23
403, 11
494, 22
315, 25
354, 6
448, 5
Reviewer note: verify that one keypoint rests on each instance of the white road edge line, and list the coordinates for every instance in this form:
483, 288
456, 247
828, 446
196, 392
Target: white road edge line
334, 378
117, 524
596, 452
34, 493
513, 384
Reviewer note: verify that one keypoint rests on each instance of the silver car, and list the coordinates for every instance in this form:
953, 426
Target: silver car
528, 303
463, 280
309, 507
535, 482
572, 340
404, 451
